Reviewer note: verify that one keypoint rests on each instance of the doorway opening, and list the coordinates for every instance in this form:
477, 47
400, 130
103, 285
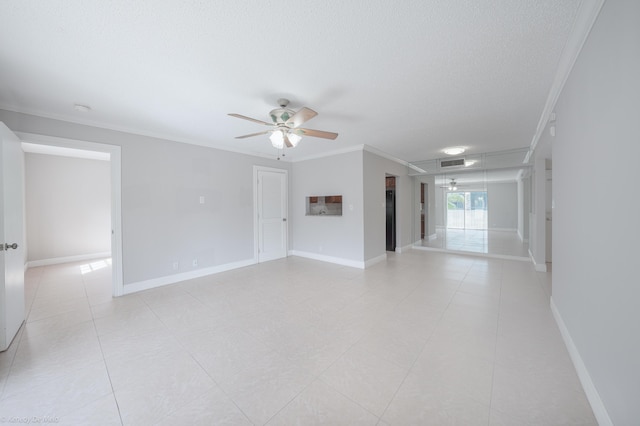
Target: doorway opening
390, 203
422, 211
59, 146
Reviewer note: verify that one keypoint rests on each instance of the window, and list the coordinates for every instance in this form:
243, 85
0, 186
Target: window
467, 210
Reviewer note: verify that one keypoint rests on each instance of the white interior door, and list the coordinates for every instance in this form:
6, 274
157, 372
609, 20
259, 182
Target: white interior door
271, 214
12, 258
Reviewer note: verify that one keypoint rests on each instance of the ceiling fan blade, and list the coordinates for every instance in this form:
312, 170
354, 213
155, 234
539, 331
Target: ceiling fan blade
287, 142
253, 134
251, 119
315, 133
300, 117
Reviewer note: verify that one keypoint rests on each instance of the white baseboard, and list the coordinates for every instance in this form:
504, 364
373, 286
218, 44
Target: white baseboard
375, 260
403, 249
540, 267
599, 410
176, 278
67, 259
474, 254
503, 229
329, 259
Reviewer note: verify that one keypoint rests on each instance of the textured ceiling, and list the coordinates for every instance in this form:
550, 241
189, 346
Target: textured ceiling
407, 77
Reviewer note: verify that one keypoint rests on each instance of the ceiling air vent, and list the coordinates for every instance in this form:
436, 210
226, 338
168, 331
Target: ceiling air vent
451, 163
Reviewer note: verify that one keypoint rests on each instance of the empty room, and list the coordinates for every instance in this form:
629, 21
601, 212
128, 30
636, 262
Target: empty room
319, 213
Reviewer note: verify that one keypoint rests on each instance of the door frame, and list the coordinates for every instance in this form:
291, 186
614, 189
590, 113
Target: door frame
115, 162
256, 224
394, 220
423, 212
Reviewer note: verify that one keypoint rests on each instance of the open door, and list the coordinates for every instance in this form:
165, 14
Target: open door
12, 313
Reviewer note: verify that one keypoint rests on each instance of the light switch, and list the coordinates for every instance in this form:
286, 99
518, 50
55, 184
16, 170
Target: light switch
202, 199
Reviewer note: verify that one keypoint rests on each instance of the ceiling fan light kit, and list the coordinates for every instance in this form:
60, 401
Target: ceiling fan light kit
285, 130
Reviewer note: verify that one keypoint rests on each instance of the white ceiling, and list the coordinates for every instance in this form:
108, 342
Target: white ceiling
406, 77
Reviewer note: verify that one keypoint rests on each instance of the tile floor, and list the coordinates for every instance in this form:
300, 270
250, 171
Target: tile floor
424, 338
503, 243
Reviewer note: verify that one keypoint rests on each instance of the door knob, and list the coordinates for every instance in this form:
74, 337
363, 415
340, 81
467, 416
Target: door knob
284, 219
8, 246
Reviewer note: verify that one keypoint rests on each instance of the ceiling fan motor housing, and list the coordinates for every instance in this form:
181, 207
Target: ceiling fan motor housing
281, 115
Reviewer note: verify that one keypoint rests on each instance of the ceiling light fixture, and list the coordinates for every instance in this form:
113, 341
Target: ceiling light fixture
294, 138
279, 136
277, 139
469, 163
454, 150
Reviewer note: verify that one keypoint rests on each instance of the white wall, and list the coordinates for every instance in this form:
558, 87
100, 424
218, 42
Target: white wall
68, 209
376, 168
358, 235
596, 231
162, 219
338, 237
502, 205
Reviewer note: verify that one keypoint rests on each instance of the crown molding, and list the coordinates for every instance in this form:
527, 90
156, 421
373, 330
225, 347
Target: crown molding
383, 154
329, 153
123, 129
364, 147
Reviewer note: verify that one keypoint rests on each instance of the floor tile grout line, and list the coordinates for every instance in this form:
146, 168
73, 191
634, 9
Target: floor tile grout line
318, 376
215, 382
352, 400
20, 336
222, 389
495, 347
104, 360
422, 350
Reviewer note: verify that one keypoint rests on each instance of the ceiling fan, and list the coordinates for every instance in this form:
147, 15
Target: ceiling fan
285, 129
453, 185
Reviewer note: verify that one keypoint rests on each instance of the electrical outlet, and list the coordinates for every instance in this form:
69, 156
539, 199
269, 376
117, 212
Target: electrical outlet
176, 265
195, 262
